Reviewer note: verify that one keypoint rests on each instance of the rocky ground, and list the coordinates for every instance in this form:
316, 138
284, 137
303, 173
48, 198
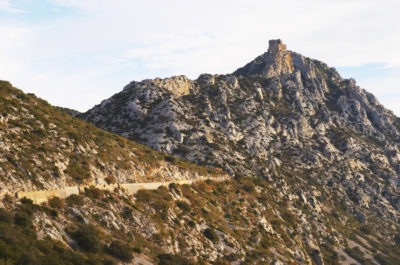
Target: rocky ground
242, 221
318, 139
43, 148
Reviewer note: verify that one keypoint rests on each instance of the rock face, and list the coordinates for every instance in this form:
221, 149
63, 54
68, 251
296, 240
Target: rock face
283, 117
177, 85
277, 61
43, 149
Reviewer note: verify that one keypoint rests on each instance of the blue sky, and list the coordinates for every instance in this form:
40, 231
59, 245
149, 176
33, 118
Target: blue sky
75, 53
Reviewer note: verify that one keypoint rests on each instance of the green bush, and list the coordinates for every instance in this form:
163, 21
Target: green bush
184, 206
93, 193
87, 238
5, 216
126, 213
120, 250
211, 234
170, 259
248, 187
169, 158
365, 229
19, 243
25, 200
78, 168
54, 213
75, 199
23, 219
397, 239
191, 223
159, 199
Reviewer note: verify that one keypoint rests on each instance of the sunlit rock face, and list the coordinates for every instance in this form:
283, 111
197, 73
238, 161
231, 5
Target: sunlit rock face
284, 117
275, 62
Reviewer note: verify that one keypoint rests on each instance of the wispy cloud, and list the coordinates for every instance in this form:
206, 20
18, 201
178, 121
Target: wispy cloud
5, 6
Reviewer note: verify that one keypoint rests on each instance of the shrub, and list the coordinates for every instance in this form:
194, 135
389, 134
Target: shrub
75, 199
386, 260
27, 258
159, 199
290, 218
397, 239
169, 158
184, 206
22, 219
87, 238
93, 193
120, 250
53, 213
110, 180
356, 254
211, 234
126, 213
56, 203
248, 187
5, 216
170, 259
78, 168
191, 223
366, 230
174, 187
220, 261
25, 200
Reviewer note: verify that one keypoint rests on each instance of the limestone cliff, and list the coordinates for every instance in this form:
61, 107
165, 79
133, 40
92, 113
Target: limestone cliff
326, 145
275, 62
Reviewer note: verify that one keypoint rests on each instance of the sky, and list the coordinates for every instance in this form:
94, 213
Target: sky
75, 53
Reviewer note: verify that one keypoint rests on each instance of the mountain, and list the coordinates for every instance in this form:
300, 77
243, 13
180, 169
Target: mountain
42, 147
44, 150
319, 145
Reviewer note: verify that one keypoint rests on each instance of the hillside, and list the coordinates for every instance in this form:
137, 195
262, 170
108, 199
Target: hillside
327, 147
42, 147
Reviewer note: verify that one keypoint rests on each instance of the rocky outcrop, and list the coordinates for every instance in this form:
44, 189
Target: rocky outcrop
275, 62
177, 85
283, 117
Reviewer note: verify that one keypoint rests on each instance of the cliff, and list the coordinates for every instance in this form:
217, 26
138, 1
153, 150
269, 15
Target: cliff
328, 147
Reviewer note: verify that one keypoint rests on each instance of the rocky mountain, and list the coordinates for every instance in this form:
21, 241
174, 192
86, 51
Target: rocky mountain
320, 145
42, 147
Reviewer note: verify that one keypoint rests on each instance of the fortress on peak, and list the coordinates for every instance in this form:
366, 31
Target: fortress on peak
276, 61
276, 46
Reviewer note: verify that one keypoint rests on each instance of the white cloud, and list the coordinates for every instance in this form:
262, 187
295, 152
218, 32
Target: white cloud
5, 5
113, 42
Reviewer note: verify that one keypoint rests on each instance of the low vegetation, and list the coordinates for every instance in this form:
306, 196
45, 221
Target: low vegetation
43, 134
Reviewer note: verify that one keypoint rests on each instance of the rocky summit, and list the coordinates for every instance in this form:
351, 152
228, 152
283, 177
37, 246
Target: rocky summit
281, 162
317, 143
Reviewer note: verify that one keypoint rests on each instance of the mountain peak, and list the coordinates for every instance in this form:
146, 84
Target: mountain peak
276, 61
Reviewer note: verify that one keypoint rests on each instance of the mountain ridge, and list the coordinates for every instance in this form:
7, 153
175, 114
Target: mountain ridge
44, 148
282, 117
313, 159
